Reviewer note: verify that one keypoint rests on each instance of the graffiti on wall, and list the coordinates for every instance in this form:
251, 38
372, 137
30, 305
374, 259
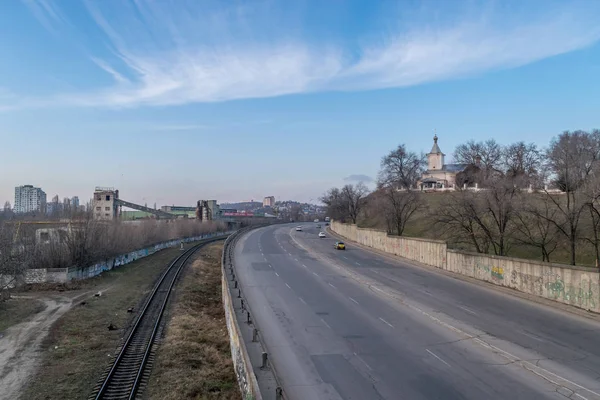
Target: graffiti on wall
498, 273
481, 268
582, 296
520, 280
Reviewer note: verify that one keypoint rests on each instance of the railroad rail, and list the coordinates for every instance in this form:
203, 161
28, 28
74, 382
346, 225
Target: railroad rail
130, 370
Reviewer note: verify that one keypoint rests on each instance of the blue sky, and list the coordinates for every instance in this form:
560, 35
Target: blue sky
174, 101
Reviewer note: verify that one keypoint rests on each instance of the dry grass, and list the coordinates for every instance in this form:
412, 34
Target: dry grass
194, 359
17, 310
79, 346
422, 225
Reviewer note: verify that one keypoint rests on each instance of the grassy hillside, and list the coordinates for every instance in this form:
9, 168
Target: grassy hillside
423, 225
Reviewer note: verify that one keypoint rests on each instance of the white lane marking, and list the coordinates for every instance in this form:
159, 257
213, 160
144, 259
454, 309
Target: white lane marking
304, 266
530, 367
289, 287
270, 266
331, 285
345, 257
276, 274
363, 361
302, 300
315, 274
514, 359
580, 396
296, 259
357, 263
433, 354
532, 336
325, 322
353, 300
467, 310
385, 322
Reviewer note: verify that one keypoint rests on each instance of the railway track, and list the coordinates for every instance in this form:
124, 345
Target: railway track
131, 368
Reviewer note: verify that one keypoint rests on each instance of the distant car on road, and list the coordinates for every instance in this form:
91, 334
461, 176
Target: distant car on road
340, 246
317, 220
298, 229
318, 225
321, 234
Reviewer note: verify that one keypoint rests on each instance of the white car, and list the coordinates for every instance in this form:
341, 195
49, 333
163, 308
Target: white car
321, 234
298, 229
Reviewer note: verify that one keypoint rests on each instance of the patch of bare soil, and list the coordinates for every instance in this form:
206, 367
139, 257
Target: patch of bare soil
20, 342
79, 346
18, 309
193, 360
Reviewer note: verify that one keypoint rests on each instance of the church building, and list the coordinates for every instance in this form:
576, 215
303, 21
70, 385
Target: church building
438, 174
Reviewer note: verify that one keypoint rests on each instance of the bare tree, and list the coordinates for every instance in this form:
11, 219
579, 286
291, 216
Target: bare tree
488, 154
337, 205
399, 207
572, 157
498, 213
401, 168
485, 218
591, 194
535, 224
523, 162
14, 255
355, 197
296, 212
458, 219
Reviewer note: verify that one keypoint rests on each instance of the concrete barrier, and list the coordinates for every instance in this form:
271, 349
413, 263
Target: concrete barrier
430, 252
239, 353
577, 286
61, 275
123, 259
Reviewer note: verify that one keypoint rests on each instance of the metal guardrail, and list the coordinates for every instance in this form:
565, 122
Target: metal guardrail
229, 273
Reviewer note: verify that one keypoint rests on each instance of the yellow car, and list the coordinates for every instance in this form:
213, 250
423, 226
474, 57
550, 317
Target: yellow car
340, 246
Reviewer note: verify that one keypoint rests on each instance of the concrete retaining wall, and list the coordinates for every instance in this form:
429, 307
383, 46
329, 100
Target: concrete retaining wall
239, 354
60, 275
577, 286
430, 252
123, 259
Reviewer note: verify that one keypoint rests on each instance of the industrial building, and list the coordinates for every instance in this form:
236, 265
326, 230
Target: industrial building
105, 206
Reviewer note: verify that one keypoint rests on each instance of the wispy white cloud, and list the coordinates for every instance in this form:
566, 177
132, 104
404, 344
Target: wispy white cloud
166, 55
110, 70
47, 13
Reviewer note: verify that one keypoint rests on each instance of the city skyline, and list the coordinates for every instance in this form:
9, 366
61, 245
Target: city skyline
75, 200
240, 101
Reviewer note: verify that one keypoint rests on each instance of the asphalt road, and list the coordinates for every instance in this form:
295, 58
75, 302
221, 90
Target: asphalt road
358, 325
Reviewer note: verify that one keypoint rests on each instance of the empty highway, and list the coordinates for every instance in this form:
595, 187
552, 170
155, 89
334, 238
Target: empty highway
358, 325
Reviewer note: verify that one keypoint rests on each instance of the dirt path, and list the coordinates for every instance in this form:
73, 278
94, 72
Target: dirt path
20, 344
